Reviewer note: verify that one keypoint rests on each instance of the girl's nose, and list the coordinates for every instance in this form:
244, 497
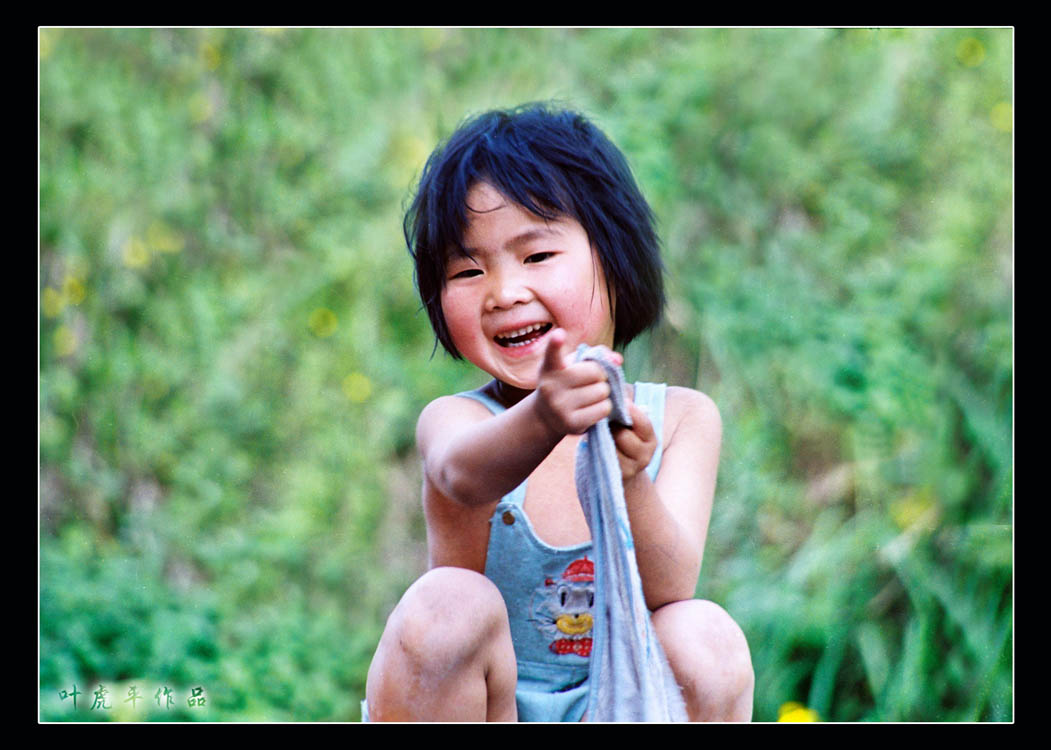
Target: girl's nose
506, 290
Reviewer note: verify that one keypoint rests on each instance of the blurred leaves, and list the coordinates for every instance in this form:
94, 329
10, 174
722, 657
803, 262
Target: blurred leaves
232, 354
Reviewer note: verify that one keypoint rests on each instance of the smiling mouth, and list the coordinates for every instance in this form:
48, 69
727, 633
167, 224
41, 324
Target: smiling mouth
523, 336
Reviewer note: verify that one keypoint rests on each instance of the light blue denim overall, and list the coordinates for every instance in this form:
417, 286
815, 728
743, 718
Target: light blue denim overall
549, 592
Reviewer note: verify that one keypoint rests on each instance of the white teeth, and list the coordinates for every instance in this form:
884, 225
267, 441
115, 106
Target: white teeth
504, 338
522, 331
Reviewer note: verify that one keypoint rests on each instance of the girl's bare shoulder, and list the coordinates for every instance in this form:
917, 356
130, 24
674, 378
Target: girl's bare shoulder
690, 413
444, 414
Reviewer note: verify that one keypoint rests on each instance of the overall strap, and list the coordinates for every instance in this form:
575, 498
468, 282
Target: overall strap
517, 495
486, 400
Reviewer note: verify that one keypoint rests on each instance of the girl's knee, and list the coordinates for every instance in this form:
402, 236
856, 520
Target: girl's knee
709, 655
455, 594
445, 652
698, 622
447, 611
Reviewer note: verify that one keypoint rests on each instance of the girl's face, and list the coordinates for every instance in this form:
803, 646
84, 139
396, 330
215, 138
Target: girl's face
525, 276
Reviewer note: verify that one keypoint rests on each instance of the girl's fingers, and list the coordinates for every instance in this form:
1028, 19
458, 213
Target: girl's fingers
640, 438
587, 416
581, 374
641, 424
592, 394
553, 359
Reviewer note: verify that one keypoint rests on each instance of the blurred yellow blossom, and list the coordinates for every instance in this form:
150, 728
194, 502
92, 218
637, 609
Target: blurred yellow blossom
73, 290
917, 509
407, 151
795, 712
404, 153
76, 267
1002, 116
52, 302
322, 322
163, 239
135, 253
434, 38
65, 341
201, 107
210, 55
47, 43
970, 52
357, 387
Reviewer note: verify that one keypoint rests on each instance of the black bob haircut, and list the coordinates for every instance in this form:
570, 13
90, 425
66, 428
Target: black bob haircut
554, 163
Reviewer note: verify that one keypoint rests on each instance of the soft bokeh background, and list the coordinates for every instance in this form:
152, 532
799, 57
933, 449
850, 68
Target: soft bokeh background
232, 355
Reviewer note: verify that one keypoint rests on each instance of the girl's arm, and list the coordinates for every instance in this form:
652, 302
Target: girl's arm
669, 518
476, 458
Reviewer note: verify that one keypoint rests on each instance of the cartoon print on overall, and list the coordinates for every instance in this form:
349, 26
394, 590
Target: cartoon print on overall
562, 609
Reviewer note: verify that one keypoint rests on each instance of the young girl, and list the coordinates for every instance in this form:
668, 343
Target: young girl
530, 237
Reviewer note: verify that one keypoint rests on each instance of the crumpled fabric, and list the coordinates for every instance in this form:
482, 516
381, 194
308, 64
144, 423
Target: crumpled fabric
630, 679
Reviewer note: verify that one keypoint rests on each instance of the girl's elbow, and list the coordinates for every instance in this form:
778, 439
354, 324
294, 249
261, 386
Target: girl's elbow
461, 486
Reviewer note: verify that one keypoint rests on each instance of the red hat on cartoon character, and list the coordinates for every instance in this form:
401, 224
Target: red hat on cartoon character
580, 571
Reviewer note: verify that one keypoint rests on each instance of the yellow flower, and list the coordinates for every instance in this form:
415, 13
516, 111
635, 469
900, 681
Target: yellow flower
65, 341
201, 107
408, 150
405, 153
135, 253
322, 322
970, 52
796, 712
73, 290
1002, 116
210, 55
433, 38
52, 301
163, 239
357, 387
47, 43
918, 509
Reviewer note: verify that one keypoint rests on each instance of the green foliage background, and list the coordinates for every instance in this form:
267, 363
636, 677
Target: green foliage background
232, 355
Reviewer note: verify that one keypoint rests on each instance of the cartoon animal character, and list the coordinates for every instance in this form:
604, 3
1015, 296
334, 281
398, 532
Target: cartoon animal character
562, 608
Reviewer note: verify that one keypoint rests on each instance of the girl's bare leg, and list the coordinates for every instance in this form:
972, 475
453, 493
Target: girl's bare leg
709, 656
445, 654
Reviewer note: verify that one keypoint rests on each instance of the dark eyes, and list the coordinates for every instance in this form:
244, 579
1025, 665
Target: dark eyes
471, 272
466, 274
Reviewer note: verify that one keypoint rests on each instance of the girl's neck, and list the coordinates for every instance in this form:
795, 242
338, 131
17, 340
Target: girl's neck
505, 394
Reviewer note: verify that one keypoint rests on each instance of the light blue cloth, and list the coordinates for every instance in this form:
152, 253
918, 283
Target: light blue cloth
539, 582
629, 673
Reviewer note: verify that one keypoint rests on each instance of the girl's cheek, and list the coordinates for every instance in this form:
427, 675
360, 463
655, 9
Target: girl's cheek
458, 317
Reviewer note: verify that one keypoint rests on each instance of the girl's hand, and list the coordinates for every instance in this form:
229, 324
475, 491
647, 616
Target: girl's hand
636, 444
571, 396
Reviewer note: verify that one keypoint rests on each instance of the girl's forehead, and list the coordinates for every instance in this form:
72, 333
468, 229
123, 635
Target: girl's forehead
493, 216
483, 197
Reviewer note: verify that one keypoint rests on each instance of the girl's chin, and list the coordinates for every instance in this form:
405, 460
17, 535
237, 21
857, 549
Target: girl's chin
509, 379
